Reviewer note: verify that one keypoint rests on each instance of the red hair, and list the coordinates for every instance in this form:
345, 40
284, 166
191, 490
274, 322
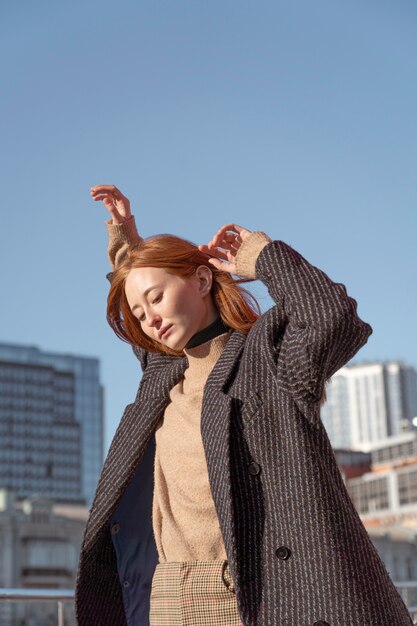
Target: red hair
237, 307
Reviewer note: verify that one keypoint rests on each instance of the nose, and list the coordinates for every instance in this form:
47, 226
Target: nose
152, 318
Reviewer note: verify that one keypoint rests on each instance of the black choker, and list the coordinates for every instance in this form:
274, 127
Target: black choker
218, 327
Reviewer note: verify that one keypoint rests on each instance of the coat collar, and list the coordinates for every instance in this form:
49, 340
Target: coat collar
160, 380
223, 371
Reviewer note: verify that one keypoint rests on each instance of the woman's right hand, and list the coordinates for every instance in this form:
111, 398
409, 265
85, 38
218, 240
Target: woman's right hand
115, 202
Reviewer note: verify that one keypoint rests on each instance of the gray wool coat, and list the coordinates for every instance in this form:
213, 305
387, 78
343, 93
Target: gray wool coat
298, 551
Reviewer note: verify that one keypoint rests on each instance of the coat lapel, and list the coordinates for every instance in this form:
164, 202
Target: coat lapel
132, 436
215, 433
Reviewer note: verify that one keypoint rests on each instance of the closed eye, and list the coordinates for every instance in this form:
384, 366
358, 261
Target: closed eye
157, 299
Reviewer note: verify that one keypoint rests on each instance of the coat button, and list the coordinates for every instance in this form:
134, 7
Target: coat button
321, 622
254, 468
115, 529
283, 553
126, 584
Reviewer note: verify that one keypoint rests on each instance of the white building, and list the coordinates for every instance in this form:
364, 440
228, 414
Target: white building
366, 403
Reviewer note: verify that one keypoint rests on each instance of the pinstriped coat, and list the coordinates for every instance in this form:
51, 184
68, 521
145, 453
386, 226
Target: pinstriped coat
298, 551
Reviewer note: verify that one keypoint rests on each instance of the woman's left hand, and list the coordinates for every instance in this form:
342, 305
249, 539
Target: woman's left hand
225, 245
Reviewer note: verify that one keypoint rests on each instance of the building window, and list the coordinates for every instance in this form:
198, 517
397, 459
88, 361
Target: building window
369, 496
407, 487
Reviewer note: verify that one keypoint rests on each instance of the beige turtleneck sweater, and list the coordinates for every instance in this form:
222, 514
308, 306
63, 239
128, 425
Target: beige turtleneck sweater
184, 518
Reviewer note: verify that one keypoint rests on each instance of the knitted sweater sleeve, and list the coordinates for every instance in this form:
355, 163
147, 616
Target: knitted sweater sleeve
122, 237
248, 253
322, 329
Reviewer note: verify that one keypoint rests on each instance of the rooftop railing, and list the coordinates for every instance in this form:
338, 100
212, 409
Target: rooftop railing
408, 592
405, 588
40, 595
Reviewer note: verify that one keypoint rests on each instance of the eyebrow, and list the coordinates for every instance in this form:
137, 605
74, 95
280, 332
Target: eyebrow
145, 293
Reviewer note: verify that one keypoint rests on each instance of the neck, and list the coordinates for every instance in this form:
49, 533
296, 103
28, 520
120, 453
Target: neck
202, 358
218, 327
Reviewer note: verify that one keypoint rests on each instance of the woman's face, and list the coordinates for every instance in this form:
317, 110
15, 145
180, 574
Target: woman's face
170, 308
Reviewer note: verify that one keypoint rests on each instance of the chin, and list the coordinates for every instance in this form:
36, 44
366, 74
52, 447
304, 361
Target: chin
177, 340
177, 344
174, 343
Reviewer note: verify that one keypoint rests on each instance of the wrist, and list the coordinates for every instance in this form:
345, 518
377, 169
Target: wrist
118, 221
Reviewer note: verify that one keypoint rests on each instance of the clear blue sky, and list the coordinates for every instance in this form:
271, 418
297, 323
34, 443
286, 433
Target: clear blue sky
297, 118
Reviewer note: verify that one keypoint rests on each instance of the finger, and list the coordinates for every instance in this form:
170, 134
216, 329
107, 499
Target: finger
228, 240
232, 237
212, 251
222, 236
103, 196
233, 227
205, 249
226, 236
219, 236
216, 263
226, 245
108, 201
110, 207
221, 265
109, 194
111, 198
105, 188
219, 253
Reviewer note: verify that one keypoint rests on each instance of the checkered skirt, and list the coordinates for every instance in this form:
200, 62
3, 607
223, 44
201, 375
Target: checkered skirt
193, 593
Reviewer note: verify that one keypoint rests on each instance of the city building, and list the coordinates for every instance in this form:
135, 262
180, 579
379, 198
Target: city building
388, 493
39, 547
368, 402
382, 483
397, 547
51, 424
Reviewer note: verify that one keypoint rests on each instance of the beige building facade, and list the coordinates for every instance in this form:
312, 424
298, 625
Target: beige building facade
39, 547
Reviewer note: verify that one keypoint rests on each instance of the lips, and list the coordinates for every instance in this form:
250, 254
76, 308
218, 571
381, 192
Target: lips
163, 331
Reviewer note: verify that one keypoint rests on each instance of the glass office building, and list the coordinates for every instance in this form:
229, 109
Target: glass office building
51, 423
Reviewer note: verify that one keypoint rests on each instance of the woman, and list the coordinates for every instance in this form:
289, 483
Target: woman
220, 501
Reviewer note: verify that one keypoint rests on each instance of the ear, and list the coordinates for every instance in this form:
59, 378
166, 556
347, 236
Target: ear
205, 279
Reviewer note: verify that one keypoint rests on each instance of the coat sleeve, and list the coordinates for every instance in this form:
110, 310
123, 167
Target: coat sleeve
322, 328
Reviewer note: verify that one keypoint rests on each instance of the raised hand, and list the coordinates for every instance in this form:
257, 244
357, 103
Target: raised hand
225, 245
115, 202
